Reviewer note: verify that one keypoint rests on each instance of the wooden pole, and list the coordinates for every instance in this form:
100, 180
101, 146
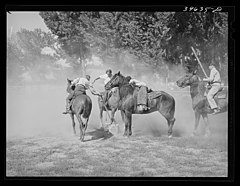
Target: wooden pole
199, 62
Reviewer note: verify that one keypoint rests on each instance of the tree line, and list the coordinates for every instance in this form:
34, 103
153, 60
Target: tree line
158, 39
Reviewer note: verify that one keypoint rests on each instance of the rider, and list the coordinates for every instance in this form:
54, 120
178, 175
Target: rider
215, 82
107, 77
142, 93
81, 85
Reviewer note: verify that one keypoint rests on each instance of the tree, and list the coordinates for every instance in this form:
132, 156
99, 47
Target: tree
206, 32
25, 54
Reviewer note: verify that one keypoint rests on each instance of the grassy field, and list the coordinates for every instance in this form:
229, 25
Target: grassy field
105, 154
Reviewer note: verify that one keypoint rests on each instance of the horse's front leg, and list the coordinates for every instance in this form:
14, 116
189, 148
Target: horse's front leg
197, 117
125, 122
112, 116
205, 119
128, 123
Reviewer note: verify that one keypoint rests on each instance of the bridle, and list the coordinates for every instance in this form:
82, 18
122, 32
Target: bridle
190, 81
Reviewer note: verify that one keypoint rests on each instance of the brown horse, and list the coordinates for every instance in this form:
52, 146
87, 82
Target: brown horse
200, 104
81, 108
112, 105
163, 103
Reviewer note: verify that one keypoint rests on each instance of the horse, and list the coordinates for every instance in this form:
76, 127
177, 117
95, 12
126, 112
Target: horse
112, 105
81, 107
200, 103
162, 102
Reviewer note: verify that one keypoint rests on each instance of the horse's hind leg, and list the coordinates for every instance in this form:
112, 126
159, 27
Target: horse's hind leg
101, 117
73, 123
170, 126
80, 126
197, 118
169, 116
85, 127
205, 119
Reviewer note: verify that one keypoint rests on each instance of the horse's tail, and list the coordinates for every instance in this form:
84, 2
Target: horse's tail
86, 107
168, 105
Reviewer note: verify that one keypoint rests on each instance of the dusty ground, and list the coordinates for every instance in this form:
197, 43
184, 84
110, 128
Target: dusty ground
103, 154
40, 142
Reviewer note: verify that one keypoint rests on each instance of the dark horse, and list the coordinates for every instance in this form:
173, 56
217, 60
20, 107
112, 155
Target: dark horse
112, 105
81, 108
200, 104
163, 103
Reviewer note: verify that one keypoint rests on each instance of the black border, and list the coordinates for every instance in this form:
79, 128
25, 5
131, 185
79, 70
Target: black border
178, 8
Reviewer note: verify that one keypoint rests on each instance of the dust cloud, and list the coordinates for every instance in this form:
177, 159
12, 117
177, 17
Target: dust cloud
36, 110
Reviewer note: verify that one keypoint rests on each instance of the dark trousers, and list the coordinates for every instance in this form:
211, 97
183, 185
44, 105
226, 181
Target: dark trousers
142, 96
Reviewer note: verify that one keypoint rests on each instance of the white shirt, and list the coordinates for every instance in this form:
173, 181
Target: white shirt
105, 77
82, 81
137, 83
214, 76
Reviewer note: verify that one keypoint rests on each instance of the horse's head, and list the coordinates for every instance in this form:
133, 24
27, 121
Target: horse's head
116, 80
188, 79
69, 87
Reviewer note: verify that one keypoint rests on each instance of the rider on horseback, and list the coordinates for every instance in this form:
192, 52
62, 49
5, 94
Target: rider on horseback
81, 85
142, 93
215, 82
107, 77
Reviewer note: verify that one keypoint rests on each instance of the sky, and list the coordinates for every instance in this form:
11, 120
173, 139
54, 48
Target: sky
29, 20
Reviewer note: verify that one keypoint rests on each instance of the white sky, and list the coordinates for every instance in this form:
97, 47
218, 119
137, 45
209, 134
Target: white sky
25, 19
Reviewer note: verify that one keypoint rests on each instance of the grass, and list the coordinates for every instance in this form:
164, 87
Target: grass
137, 156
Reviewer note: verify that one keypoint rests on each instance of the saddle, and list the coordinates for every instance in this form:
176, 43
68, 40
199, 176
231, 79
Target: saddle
151, 95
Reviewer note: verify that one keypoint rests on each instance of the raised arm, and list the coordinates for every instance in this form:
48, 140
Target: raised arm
210, 79
96, 79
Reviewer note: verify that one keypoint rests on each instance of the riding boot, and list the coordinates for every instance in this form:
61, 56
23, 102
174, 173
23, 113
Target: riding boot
140, 108
68, 111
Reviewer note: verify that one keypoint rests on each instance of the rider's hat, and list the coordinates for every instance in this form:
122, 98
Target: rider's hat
212, 64
109, 70
88, 76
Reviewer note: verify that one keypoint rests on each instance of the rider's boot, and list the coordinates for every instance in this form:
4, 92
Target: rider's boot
68, 110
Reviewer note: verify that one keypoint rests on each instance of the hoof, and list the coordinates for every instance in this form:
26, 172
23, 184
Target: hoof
170, 136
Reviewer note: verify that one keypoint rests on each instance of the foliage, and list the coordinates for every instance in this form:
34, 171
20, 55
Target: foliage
156, 38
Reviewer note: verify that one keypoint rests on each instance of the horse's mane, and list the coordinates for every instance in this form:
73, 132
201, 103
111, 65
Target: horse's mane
126, 88
200, 87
